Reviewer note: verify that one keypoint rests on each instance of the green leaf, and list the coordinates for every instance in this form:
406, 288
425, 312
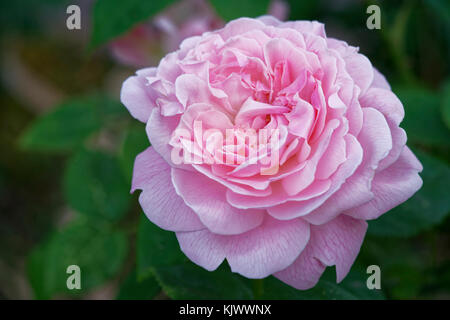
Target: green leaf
438, 281
446, 104
63, 128
112, 18
302, 10
37, 273
69, 124
442, 10
94, 185
158, 253
233, 9
428, 207
423, 122
135, 142
188, 281
155, 248
98, 252
132, 289
353, 287
402, 265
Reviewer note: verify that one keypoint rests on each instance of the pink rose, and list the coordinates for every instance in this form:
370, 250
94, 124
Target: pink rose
296, 199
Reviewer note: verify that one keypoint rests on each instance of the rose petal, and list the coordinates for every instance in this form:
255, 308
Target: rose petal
335, 243
391, 187
255, 254
158, 199
390, 106
207, 199
307, 207
379, 80
137, 96
375, 137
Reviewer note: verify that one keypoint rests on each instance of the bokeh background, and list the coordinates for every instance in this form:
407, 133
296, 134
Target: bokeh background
67, 148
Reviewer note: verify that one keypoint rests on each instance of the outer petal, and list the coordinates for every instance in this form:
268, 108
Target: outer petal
159, 131
360, 69
207, 199
379, 81
240, 26
356, 64
136, 96
158, 198
375, 137
390, 106
305, 26
255, 254
271, 20
391, 187
384, 101
334, 243
305, 272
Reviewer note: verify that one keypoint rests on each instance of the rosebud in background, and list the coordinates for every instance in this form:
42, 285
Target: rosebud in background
148, 42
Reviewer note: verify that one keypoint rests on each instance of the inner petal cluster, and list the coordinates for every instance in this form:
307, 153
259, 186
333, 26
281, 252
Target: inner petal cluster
263, 113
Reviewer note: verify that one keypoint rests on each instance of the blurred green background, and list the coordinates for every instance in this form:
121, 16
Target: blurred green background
68, 146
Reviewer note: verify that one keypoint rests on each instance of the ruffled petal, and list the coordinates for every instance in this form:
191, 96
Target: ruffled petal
379, 80
390, 106
137, 96
308, 207
255, 254
357, 190
158, 199
207, 198
336, 243
391, 187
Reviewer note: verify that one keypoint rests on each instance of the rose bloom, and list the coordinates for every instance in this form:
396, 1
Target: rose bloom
342, 155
